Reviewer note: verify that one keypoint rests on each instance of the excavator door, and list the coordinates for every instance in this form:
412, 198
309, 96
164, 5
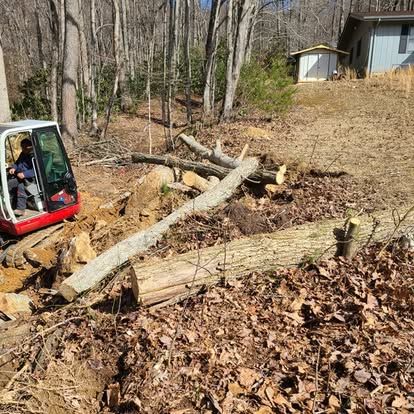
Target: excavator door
53, 166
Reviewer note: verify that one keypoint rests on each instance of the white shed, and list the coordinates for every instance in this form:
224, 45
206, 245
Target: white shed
317, 63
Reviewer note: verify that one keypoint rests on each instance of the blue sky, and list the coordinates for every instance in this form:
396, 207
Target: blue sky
205, 3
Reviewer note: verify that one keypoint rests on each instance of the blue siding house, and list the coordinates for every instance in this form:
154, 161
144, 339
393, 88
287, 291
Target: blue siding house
378, 41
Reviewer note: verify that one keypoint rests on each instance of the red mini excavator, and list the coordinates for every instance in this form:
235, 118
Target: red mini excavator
52, 194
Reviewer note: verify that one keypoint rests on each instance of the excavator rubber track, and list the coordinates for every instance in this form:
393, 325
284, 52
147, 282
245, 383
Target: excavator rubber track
15, 254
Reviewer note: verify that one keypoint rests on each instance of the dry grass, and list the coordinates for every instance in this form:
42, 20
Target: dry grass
350, 74
401, 79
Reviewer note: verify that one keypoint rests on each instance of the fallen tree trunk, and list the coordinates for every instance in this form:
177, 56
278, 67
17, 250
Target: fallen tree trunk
96, 270
205, 170
216, 156
174, 278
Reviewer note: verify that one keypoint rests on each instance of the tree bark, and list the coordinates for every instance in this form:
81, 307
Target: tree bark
4, 101
118, 64
70, 70
187, 55
237, 50
96, 270
54, 29
205, 170
94, 51
211, 48
177, 277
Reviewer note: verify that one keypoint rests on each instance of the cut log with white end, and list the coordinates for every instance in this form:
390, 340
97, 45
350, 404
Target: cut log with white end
99, 268
243, 153
280, 174
193, 180
213, 180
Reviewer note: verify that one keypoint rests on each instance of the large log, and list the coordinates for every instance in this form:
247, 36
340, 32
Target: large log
216, 156
161, 280
205, 170
99, 268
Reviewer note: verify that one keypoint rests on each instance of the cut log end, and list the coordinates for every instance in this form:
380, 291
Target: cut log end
280, 175
354, 225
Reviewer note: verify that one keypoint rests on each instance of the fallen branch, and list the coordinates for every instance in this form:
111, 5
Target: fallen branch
162, 280
216, 156
96, 270
205, 170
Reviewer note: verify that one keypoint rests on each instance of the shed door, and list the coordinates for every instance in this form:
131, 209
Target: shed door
323, 66
312, 67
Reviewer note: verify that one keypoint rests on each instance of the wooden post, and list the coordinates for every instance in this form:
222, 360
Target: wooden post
354, 225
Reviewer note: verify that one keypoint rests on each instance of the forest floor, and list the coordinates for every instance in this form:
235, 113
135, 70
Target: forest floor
333, 337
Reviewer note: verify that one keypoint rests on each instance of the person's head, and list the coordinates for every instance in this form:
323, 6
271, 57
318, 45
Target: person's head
26, 145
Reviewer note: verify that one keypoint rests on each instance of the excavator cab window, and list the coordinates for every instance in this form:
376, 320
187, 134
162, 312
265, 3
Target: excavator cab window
55, 169
33, 188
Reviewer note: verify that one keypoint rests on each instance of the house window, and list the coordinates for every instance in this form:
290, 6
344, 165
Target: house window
406, 39
359, 48
410, 46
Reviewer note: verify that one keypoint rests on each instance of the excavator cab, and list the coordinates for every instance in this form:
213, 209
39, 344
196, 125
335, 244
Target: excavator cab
52, 194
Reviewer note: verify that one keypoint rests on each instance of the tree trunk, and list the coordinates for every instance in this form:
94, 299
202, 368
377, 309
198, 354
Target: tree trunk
4, 101
54, 29
211, 48
96, 270
84, 65
118, 64
70, 70
172, 64
177, 277
187, 55
94, 51
240, 37
123, 48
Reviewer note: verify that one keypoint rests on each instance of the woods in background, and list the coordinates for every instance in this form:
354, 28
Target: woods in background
72, 60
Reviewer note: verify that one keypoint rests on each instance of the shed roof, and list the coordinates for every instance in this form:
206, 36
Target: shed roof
321, 46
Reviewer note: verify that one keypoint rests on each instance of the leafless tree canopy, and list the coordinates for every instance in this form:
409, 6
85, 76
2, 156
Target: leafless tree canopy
153, 44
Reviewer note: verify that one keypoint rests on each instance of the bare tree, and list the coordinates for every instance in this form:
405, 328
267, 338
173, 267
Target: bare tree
4, 101
210, 61
239, 35
70, 70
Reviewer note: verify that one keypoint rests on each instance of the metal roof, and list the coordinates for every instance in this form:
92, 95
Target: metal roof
321, 46
24, 125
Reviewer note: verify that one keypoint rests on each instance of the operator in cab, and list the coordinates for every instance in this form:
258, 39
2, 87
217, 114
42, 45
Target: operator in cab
21, 172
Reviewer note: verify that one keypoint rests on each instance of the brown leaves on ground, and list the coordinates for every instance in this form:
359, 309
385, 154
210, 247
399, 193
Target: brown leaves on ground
336, 337
311, 197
